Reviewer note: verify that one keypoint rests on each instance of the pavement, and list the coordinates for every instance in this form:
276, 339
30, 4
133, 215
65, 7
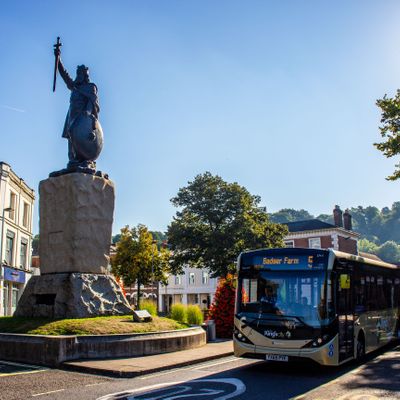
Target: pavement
377, 379
135, 366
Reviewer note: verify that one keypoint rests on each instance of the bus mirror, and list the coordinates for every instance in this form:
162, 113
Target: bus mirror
345, 281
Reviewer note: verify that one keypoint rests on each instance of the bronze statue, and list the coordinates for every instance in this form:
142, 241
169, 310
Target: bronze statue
82, 127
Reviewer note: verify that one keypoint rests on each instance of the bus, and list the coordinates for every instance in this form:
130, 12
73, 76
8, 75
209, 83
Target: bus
323, 305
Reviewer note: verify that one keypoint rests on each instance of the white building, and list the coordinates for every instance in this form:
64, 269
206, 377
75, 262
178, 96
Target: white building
16, 209
194, 286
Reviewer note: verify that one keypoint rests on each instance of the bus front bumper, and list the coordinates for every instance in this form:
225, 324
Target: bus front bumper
326, 354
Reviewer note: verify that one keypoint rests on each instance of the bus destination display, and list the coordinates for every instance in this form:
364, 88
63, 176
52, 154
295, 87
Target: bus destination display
288, 262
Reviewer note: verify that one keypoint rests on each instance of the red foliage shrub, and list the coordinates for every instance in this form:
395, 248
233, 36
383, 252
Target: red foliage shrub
223, 307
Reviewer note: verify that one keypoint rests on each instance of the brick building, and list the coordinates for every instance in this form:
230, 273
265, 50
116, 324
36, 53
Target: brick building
317, 234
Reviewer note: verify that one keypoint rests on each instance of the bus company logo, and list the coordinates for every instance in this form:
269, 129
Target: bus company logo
277, 335
271, 334
290, 325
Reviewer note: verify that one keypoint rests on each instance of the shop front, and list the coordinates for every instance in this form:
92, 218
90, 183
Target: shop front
13, 285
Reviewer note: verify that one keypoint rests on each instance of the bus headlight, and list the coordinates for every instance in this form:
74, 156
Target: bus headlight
318, 341
240, 337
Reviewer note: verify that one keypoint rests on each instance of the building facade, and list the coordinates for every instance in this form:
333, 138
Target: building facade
194, 286
16, 211
317, 234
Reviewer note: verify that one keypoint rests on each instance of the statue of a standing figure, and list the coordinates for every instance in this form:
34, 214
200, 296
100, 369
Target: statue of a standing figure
82, 127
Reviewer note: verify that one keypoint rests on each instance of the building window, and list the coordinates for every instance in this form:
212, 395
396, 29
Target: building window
191, 278
13, 204
204, 279
26, 215
23, 253
178, 280
8, 256
314, 243
289, 243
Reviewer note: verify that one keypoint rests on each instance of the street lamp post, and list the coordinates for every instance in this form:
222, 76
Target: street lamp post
152, 268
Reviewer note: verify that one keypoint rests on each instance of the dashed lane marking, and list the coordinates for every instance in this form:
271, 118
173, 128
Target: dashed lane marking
19, 368
44, 393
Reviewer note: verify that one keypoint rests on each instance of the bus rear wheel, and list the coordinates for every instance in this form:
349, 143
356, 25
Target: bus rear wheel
360, 347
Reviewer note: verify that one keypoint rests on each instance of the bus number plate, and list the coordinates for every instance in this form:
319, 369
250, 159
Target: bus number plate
276, 357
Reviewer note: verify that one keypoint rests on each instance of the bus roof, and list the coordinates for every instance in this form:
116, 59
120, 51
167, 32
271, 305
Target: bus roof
336, 253
366, 260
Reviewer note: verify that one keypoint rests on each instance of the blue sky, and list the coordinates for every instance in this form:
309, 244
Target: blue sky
278, 96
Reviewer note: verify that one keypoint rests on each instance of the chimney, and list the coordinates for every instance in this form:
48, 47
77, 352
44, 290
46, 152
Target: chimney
347, 220
338, 216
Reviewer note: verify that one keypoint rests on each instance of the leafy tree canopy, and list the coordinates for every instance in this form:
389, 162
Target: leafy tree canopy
217, 221
138, 259
388, 251
390, 130
35, 245
290, 215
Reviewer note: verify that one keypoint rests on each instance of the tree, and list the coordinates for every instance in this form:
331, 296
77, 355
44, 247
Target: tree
366, 246
223, 307
390, 130
35, 245
389, 251
218, 220
138, 260
289, 215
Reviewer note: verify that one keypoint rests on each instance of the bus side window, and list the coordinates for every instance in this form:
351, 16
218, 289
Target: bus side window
380, 291
359, 293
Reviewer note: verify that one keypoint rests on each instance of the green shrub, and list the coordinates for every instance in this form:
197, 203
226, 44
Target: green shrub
150, 306
194, 315
179, 312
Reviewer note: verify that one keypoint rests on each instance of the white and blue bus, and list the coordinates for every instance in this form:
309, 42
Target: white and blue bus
323, 305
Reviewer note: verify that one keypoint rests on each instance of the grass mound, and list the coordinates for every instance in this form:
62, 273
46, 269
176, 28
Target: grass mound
85, 326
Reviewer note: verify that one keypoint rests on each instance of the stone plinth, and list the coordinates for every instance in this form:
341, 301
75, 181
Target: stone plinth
76, 215
72, 296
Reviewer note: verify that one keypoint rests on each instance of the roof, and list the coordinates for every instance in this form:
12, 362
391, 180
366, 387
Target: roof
308, 225
369, 255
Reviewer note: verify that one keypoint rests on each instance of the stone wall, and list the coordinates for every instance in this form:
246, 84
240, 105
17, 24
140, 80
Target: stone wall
53, 350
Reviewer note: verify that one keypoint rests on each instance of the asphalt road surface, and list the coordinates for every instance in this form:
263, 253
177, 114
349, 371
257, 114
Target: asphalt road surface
227, 378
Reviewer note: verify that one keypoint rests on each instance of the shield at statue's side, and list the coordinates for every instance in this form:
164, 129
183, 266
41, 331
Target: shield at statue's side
87, 137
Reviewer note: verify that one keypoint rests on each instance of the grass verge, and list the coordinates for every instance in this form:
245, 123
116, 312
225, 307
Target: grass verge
85, 326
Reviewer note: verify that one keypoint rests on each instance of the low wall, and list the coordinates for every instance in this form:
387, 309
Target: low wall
53, 350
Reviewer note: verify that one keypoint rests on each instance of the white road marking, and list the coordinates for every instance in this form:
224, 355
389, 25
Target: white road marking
239, 385
35, 368
51, 391
213, 365
189, 368
22, 365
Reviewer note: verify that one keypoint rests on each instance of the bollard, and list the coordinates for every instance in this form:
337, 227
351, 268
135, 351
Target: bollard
211, 333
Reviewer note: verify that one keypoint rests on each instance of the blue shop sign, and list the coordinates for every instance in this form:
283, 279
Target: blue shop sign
14, 275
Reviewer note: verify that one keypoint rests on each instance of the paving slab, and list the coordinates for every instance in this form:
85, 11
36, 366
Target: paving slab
135, 366
377, 379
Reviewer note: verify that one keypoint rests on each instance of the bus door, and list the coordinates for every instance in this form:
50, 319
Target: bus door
345, 315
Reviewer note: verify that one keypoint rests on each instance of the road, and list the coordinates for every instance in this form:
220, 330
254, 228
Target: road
221, 379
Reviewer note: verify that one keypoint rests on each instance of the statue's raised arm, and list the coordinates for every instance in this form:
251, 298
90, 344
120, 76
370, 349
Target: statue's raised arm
82, 127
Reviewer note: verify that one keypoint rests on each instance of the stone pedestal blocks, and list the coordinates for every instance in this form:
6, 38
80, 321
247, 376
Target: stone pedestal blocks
76, 215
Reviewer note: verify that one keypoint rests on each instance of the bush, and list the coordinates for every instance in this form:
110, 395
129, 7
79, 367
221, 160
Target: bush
194, 315
179, 312
149, 306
